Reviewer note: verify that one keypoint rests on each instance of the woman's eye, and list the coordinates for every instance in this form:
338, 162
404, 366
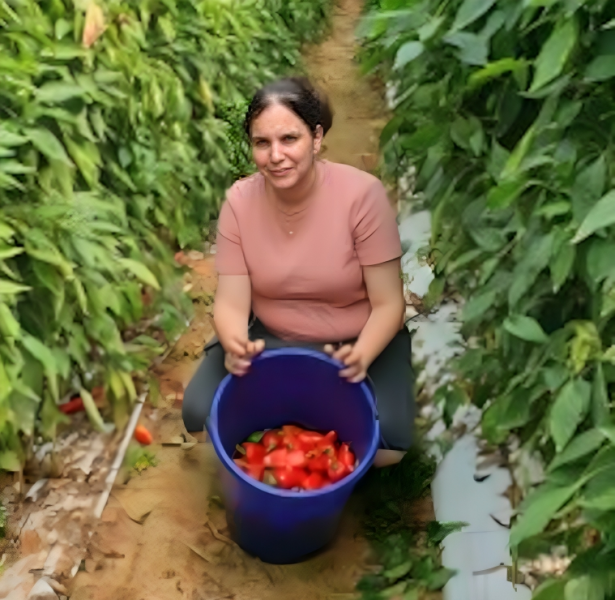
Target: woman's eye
290, 138
260, 143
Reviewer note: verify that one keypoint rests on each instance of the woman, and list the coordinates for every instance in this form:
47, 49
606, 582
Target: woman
312, 249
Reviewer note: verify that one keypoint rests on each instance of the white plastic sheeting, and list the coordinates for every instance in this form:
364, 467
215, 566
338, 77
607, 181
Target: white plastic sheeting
480, 551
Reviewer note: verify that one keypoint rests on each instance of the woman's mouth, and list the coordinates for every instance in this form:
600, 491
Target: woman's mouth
280, 172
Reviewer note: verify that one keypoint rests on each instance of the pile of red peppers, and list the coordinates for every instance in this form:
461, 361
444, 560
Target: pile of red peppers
295, 458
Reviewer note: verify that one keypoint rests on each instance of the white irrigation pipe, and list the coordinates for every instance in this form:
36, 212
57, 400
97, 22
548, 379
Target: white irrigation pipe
119, 457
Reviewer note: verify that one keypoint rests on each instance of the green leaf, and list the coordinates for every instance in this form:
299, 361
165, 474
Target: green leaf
256, 437
599, 493
438, 579
406, 53
58, 91
51, 417
561, 264
588, 187
8, 139
600, 216
9, 326
9, 461
49, 145
600, 399
399, 571
568, 411
526, 328
477, 306
93, 415
550, 590
5, 383
599, 261
554, 209
470, 11
600, 69
580, 446
10, 252
9, 288
140, 271
503, 195
473, 49
585, 587
495, 69
513, 164
554, 53
537, 511
37, 349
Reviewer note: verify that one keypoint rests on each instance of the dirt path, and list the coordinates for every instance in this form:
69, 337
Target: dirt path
163, 534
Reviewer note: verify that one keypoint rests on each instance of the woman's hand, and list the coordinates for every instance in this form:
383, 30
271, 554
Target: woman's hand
238, 357
355, 360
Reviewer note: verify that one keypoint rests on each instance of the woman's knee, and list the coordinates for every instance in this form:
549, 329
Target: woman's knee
194, 408
199, 394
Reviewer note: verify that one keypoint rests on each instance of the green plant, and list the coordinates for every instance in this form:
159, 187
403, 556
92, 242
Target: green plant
411, 565
113, 154
138, 459
506, 109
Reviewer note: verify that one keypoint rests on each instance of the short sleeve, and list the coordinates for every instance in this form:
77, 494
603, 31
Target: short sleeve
375, 232
229, 252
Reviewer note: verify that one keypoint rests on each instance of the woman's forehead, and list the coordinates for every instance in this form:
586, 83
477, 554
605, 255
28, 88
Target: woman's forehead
277, 119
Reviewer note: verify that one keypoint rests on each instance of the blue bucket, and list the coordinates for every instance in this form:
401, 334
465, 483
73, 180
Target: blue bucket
303, 387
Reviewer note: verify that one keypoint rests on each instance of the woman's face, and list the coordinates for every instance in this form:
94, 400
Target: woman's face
283, 146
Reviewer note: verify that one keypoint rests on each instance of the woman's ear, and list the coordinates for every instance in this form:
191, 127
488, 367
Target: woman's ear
318, 136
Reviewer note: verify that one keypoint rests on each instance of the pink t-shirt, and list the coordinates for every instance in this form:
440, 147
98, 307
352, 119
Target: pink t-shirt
308, 284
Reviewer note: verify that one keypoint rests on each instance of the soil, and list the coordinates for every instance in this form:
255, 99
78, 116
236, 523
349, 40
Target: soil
163, 534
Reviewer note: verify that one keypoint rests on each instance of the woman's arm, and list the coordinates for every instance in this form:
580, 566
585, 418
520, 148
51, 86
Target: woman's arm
385, 292
232, 312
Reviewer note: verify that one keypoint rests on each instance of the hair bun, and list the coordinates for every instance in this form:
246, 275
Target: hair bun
298, 94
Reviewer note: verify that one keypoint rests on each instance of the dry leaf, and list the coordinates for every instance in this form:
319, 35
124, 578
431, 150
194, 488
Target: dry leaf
94, 24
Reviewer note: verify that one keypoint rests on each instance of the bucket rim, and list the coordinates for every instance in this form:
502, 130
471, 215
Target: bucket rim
364, 465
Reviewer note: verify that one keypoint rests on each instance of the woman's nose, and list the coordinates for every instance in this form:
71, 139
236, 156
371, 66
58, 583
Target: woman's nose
276, 154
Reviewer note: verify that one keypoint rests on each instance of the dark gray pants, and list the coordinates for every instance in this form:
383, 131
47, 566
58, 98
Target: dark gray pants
390, 376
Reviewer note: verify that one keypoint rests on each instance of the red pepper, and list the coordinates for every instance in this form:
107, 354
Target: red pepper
72, 406
327, 444
276, 458
337, 471
314, 481
272, 439
346, 457
319, 463
289, 477
254, 471
296, 458
309, 439
142, 435
255, 453
292, 430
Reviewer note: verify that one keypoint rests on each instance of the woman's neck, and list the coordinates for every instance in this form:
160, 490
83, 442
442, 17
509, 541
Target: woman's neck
298, 194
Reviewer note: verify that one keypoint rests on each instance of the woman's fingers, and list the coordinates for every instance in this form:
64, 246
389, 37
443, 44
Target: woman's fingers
343, 353
329, 349
236, 347
254, 348
236, 365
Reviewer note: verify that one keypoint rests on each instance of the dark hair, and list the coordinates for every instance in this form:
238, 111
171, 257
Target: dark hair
296, 94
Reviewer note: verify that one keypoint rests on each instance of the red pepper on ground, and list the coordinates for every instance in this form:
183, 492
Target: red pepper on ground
72, 406
143, 436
